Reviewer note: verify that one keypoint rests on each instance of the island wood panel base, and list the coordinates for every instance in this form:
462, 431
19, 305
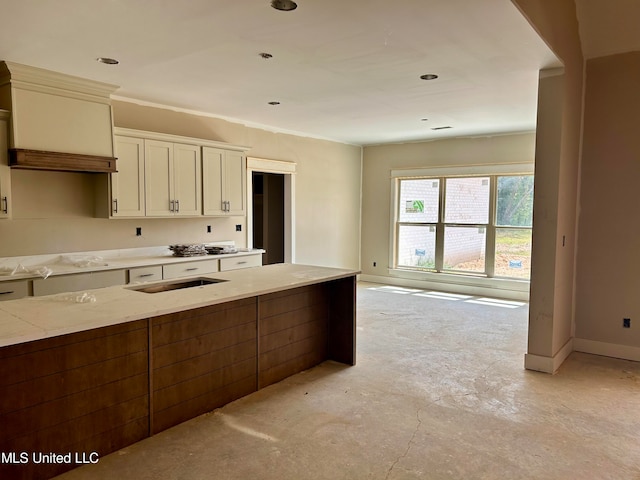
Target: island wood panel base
201, 359
106, 388
74, 394
342, 320
302, 327
293, 332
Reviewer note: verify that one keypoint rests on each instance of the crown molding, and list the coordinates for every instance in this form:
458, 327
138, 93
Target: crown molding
45, 81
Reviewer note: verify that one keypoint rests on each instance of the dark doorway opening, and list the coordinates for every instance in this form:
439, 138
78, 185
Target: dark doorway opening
268, 215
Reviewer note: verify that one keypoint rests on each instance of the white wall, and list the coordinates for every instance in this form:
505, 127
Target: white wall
551, 312
608, 259
378, 161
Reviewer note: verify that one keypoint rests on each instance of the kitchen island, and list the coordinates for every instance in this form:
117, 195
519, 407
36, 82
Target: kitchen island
98, 376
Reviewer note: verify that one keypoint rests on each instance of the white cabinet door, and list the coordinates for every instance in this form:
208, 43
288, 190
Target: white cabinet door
173, 181
158, 180
235, 182
127, 184
212, 159
224, 182
187, 180
5, 174
189, 269
145, 274
14, 289
78, 281
245, 261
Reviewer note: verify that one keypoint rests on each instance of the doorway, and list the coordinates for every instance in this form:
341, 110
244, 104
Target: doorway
271, 223
268, 215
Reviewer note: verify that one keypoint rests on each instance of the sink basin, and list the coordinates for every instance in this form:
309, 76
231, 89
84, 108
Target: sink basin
176, 285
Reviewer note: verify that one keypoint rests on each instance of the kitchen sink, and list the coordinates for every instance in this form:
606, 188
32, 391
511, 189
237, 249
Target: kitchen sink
176, 285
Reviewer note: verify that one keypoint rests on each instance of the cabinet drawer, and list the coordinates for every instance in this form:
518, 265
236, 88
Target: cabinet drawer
77, 282
189, 269
246, 261
145, 274
13, 290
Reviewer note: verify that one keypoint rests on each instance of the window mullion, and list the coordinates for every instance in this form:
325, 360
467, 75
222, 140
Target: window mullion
490, 252
440, 228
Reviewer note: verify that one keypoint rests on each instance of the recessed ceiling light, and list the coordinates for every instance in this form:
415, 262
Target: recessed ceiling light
274, 103
107, 60
284, 5
265, 55
429, 76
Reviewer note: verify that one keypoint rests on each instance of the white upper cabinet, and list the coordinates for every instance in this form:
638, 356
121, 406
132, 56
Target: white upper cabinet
162, 175
158, 180
5, 174
224, 182
235, 183
172, 179
127, 184
187, 174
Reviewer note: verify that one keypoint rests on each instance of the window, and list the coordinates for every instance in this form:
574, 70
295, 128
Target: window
474, 225
514, 219
418, 217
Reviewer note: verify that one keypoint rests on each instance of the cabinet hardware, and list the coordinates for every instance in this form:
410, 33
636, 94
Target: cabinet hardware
7, 293
5, 201
115, 205
240, 263
171, 206
146, 275
191, 269
177, 206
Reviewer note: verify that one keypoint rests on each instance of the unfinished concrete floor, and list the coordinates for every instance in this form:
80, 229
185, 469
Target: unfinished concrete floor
438, 392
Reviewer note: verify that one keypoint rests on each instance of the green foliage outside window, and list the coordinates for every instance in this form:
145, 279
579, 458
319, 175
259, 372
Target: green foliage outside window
515, 201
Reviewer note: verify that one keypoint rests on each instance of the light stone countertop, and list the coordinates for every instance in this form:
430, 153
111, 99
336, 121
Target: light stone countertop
33, 318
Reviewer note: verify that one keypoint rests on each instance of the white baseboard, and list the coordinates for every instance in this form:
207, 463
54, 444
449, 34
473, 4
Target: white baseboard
625, 352
548, 364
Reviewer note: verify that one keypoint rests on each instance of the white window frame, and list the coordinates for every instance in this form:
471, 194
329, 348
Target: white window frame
442, 278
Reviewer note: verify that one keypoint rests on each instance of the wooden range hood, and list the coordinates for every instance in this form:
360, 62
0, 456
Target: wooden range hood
60, 162
53, 114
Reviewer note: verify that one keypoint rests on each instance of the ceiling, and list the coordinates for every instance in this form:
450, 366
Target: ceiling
342, 70
608, 27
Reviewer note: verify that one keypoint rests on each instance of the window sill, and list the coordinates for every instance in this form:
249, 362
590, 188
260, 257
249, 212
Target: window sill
459, 283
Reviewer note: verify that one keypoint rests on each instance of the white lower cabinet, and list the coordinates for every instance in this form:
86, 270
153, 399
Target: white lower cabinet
145, 274
14, 289
189, 269
245, 261
78, 281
